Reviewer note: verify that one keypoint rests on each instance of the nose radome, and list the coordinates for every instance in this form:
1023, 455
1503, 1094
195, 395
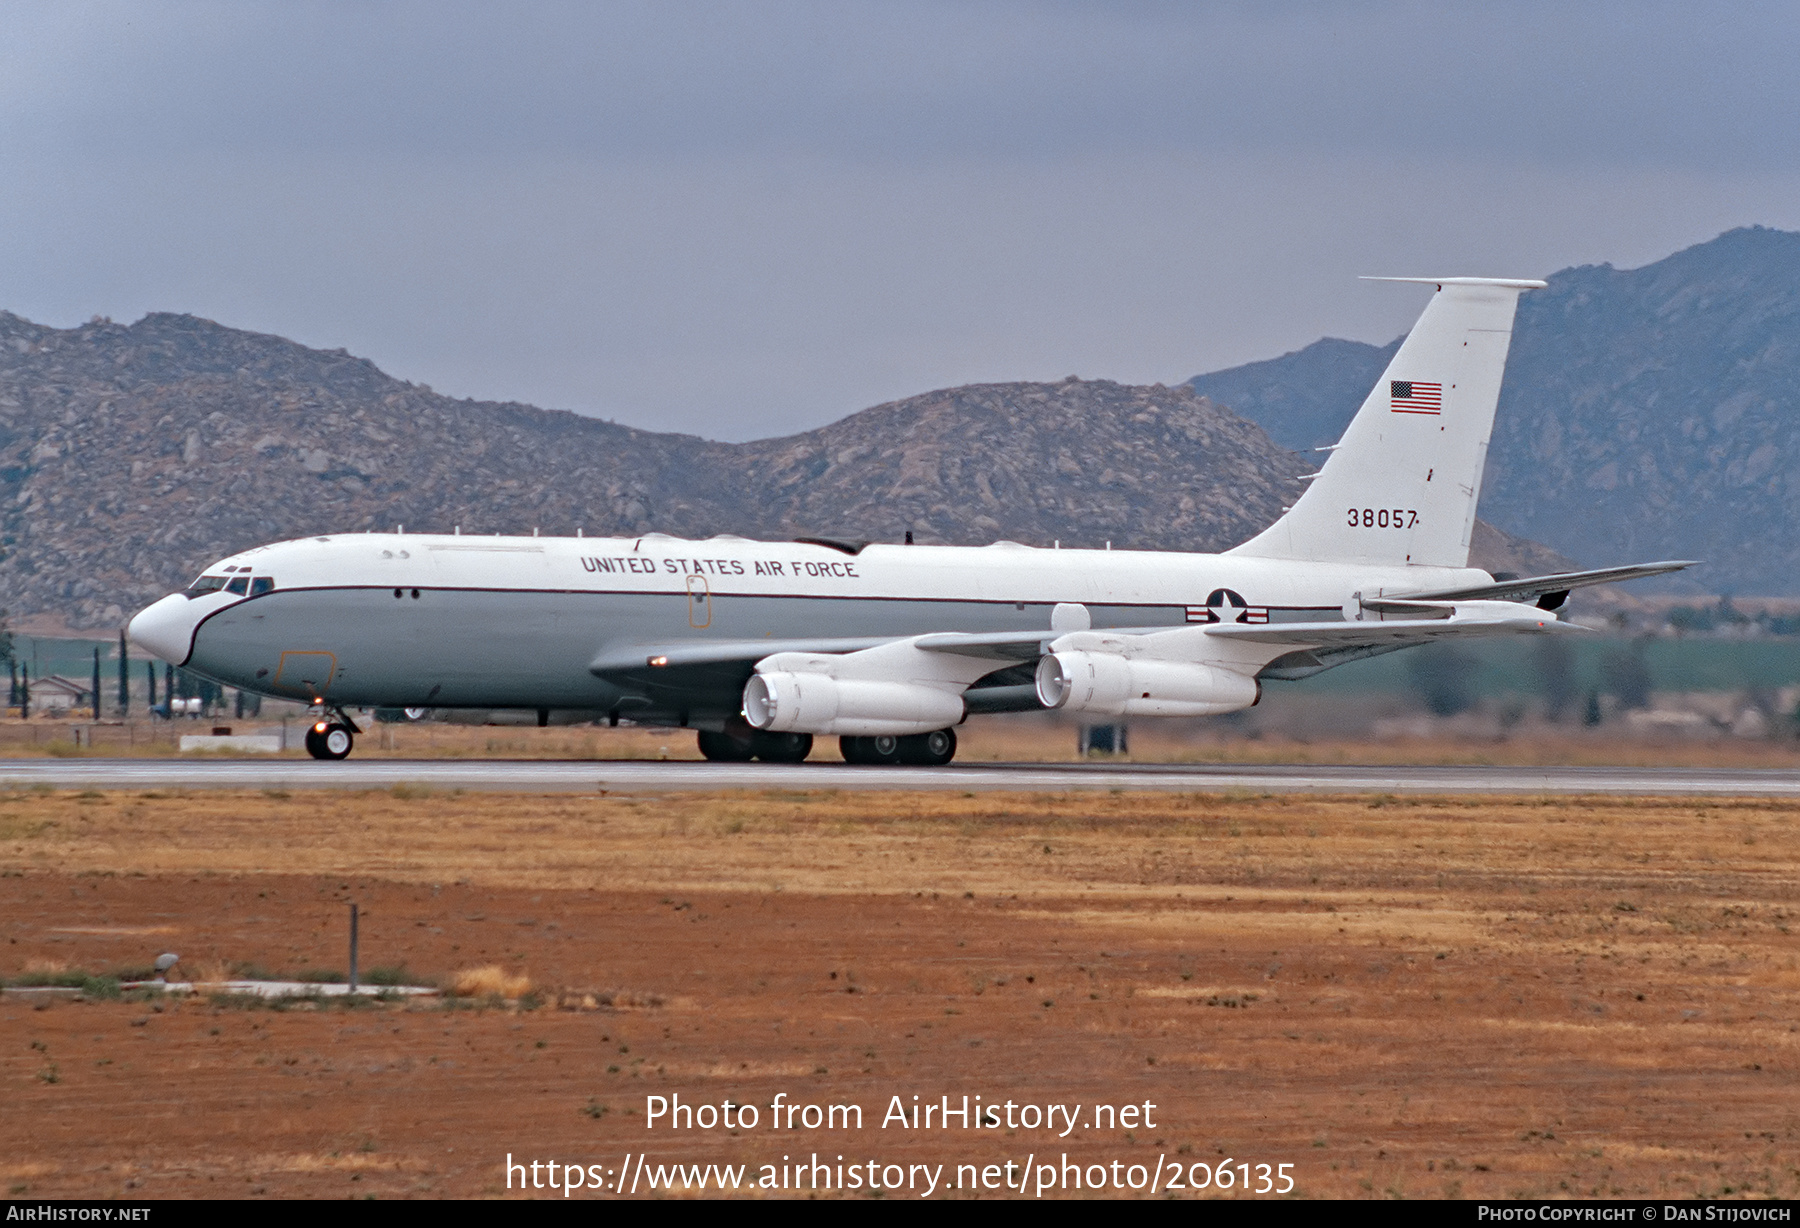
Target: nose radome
165, 629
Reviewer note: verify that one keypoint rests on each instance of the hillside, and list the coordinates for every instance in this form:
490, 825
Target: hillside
131, 456
1652, 409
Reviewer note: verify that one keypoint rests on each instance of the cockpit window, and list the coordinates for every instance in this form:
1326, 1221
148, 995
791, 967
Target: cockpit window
238, 585
261, 585
205, 585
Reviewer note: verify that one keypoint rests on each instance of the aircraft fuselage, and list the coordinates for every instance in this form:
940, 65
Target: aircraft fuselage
415, 620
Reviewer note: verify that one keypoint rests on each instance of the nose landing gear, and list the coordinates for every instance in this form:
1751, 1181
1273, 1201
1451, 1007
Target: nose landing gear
329, 740
330, 737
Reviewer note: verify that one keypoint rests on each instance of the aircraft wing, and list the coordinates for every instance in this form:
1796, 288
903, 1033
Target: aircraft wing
996, 665
994, 645
1537, 588
673, 663
635, 658
1001, 646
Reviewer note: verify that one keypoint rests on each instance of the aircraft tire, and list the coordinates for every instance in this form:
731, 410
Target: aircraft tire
335, 741
783, 747
933, 749
881, 749
723, 748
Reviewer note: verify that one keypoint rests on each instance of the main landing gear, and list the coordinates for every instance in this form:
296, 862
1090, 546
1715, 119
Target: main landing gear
734, 746
933, 749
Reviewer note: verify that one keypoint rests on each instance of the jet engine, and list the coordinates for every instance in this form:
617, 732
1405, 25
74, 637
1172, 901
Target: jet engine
790, 702
1112, 684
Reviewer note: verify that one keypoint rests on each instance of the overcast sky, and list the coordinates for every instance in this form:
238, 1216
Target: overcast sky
743, 220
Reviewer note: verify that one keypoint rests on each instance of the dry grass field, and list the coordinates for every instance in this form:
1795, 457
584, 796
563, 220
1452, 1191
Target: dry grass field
983, 739
1414, 998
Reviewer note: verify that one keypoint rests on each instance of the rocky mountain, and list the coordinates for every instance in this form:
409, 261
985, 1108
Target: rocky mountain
132, 456
1304, 399
1083, 461
1647, 413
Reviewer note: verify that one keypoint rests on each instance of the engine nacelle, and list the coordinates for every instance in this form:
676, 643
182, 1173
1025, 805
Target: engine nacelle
784, 702
1110, 684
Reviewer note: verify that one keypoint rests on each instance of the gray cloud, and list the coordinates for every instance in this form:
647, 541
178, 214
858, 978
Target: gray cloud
1702, 86
746, 219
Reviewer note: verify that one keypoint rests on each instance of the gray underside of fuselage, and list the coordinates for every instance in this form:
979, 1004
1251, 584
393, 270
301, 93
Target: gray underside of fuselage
364, 647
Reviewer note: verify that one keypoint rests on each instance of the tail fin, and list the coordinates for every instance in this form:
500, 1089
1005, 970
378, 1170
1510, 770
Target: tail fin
1401, 485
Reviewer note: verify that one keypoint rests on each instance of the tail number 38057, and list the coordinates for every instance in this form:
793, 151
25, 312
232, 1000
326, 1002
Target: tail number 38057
1382, 518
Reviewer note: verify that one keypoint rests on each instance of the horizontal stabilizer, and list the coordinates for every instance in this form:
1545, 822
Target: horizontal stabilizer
1504, 283
1532, 587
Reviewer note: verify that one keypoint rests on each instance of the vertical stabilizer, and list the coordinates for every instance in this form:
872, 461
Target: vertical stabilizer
1402, 483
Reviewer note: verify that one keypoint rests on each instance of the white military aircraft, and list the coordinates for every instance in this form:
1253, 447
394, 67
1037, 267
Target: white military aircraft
760, 646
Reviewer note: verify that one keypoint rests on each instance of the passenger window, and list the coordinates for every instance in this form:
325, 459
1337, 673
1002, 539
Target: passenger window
261, 585
205, 585
238, 585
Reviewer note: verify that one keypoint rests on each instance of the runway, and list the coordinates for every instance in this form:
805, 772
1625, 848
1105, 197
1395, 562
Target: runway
641, 776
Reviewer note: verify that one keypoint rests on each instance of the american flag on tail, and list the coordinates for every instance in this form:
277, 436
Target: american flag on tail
1411, 396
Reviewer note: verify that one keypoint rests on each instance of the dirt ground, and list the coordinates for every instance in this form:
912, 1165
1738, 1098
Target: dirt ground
1414, 998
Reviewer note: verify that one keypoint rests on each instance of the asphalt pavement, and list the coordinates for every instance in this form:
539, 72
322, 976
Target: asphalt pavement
639, 776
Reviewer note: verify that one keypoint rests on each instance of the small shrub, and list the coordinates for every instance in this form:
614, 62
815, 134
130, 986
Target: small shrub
394, 975
240, 1001
211, 971
50, 980
490, 981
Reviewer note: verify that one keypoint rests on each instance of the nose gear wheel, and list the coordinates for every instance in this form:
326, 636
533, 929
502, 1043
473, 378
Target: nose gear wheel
329, 740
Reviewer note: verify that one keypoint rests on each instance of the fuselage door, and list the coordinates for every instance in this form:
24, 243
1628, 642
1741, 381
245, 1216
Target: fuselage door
699, 602
304, 675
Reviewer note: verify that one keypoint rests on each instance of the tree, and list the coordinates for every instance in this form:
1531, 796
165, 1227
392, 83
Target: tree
124, 678
1444, 675
1554, 663
6, 640
1626, 675
96, 682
